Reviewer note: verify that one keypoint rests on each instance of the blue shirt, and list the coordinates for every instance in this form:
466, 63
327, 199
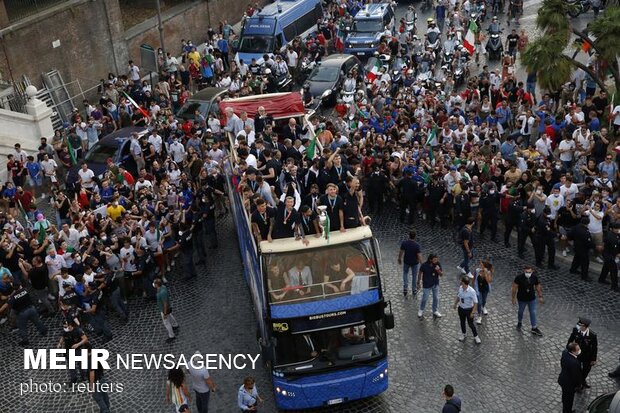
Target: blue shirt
34, 169
430, 274
411, 249
508, 150
247, 399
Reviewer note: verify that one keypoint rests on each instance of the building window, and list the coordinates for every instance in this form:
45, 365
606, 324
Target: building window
19, 9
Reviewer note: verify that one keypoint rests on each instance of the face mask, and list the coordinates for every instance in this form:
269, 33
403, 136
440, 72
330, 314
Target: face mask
66, 329
528, 274
539, 191
492, 191
532, 211
578, 353
78, 260
104, 238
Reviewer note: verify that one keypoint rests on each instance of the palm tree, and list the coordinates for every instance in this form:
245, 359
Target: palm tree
546, 56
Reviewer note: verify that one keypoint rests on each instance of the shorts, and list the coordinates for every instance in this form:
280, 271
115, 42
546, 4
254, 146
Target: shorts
33, 182
597, 239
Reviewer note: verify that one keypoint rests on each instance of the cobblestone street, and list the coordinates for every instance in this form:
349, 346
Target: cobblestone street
509, 372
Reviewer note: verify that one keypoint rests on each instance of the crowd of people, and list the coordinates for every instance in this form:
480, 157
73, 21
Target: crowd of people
496, 150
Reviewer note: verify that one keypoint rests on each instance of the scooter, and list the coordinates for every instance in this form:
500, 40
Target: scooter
494, 46
579, 7
433, 42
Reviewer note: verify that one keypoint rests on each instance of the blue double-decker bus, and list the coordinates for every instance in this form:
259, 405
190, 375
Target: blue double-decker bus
320, 310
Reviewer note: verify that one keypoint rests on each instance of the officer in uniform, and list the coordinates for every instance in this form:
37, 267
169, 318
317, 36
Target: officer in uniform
96, 311
186, 240
21, 303
545, 237
611, 251
73, 337
582, 242
489, 211
408, 193
526, 228
588, 343
513, 218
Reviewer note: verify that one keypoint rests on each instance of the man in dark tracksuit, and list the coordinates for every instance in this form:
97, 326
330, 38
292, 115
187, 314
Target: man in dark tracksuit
570, 376
611, 242
527, 228
582, 242
588, 343
545, 237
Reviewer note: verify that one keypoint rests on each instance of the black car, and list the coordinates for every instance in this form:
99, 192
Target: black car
206, 101
606, 403
115, 146
328, 76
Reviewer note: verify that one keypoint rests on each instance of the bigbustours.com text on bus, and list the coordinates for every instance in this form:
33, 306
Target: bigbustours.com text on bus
59, 359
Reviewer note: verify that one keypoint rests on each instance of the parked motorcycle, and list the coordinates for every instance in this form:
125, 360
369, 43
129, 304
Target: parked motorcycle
578, 7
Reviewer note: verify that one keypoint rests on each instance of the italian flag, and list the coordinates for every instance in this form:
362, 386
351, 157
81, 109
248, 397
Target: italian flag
135, 105
372, 74
470, 37
311, 151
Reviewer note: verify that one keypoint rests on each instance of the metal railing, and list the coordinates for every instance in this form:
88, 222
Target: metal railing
19, 9
323, 293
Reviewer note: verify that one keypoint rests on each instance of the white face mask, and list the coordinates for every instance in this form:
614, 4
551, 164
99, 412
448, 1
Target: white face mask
532, 211
492, 191
528, 274
578, 353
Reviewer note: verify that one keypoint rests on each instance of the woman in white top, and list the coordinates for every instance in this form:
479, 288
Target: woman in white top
467, 303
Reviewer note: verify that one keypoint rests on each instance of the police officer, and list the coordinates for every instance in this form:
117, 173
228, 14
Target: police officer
408, 192
73, 337
489, 211
21, 303
513, 218
582, 243
588, 343
186, 240
545, 237
526, 228
96, 311
611, 251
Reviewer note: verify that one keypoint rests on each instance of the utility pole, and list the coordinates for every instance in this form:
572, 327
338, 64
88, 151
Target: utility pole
161, 28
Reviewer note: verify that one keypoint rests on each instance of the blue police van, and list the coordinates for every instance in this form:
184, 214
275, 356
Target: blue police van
277, 24
368, 27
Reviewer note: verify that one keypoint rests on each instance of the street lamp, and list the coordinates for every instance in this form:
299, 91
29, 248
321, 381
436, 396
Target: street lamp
160, 27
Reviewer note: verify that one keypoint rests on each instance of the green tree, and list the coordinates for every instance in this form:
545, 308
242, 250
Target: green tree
547, 55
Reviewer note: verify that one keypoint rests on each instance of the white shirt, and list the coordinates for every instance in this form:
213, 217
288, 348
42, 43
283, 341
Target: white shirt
87, 177
127, 258
177, 151
157, 142
134, 72
570, 192
49, 167
554, 202
54, 264
72, 239
616, 114
21, 156
543, 146
567, 144
299, 277
467, 298
595, 226
292, 58
199, 377
70, 280
251, 161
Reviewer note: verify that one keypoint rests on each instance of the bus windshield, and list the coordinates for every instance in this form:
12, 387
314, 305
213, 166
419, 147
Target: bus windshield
321, 273
368, 26
340, 346
256, 44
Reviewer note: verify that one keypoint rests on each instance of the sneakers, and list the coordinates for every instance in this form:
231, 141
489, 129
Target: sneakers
458, 267
565, 252
537, 332
599, 260
420, 313
485, 311
404, 292
437, 314
461, 337
519, 325
478, 320
477, 340
171, 339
